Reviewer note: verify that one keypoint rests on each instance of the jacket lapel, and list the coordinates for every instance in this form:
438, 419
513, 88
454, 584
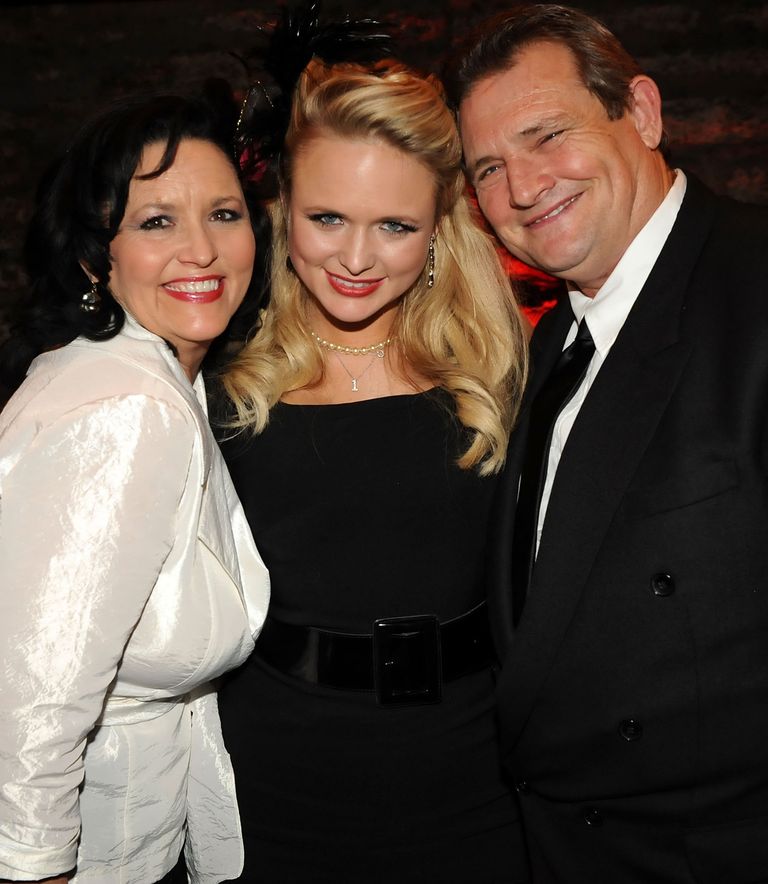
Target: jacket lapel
219, 502
604, 448
546, 346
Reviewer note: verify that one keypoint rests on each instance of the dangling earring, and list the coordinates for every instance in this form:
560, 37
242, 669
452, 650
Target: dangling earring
90, 301
431, 262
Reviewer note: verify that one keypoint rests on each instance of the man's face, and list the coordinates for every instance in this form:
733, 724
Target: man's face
565, 188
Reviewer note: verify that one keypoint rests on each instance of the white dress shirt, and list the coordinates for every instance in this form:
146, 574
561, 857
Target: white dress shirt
605, 314
129, 579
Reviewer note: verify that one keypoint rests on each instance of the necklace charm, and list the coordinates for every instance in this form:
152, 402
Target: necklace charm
352, 377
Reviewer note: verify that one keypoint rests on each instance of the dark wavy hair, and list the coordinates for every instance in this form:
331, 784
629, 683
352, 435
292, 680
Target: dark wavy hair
80, 205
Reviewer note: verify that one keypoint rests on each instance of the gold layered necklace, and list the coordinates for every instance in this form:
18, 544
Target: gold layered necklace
353, 351
376, 349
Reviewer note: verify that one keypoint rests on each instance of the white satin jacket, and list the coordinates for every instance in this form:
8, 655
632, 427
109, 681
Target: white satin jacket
128, 580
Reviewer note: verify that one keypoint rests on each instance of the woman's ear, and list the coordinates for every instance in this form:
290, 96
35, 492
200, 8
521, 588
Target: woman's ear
92, 278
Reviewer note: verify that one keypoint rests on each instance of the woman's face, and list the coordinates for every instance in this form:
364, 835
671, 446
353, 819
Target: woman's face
183, 256
360, 215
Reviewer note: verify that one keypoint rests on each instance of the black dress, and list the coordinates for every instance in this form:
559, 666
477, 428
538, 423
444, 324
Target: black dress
360, 512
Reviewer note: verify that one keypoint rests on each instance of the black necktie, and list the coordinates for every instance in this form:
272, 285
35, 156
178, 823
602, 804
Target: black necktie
546, 406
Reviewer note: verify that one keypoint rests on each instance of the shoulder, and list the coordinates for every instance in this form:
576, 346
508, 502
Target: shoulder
101, 369
720, 255
714, 258
739, 227
85, 380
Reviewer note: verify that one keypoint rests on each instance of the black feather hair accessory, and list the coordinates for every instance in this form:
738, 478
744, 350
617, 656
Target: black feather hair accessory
298, 36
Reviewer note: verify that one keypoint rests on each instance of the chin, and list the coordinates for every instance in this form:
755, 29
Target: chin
351, 314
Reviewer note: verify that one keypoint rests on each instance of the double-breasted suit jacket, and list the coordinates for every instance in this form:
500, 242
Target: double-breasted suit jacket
633, 695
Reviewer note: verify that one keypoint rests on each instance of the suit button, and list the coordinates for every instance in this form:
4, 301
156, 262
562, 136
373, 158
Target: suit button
630, 730
662, 584
522, 787
593, 817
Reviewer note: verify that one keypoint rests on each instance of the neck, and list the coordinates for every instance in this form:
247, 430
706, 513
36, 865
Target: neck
190, 361
372, 330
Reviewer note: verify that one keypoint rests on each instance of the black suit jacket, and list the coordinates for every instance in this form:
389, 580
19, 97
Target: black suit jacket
633, 696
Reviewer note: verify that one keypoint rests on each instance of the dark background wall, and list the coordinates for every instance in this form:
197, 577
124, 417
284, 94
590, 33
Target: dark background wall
60, 61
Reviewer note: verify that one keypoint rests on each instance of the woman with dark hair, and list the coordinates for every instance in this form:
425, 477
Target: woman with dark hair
129, 577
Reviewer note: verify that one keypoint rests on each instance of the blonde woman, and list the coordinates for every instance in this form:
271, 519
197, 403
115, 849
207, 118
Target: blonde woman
374, 405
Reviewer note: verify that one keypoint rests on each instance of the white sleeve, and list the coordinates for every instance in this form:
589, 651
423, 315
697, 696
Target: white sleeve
87, 518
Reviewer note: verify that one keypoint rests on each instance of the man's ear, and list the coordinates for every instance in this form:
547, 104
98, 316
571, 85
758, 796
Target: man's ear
645, 110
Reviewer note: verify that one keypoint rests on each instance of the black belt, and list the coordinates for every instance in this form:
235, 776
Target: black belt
404, 660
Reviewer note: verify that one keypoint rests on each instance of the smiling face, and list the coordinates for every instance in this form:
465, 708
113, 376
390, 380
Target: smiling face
565, 188
182, 259
360, 215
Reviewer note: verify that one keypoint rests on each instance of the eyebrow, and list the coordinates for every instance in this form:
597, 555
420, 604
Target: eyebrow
321, 210
155, 207
557, 121
394, 216
398, 216
534, 130
166, 207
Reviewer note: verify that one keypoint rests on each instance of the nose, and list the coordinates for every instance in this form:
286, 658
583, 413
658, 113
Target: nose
527, 183
199, 246
357, 254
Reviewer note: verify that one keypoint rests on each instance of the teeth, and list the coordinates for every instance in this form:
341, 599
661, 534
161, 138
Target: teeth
358, 284
194, 287
556, 211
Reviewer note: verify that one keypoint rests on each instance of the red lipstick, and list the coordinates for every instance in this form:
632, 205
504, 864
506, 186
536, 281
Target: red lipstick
196, 289
353, 288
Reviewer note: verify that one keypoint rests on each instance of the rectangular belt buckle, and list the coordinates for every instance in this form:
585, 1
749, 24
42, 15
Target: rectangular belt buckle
407, 666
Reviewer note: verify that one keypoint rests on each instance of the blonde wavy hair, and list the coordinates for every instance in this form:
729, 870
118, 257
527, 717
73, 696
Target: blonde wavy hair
465, 334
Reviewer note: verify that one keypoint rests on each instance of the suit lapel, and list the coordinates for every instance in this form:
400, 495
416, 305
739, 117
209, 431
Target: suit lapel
608, 439
546, 346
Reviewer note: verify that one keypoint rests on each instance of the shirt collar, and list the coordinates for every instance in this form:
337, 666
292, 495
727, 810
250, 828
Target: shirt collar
132, 328
608, 310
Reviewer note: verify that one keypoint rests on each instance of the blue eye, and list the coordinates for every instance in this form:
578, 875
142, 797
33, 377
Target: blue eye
398, 227
326, 219
156, 222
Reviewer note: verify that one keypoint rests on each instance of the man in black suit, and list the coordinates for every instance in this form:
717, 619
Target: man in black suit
629, 563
